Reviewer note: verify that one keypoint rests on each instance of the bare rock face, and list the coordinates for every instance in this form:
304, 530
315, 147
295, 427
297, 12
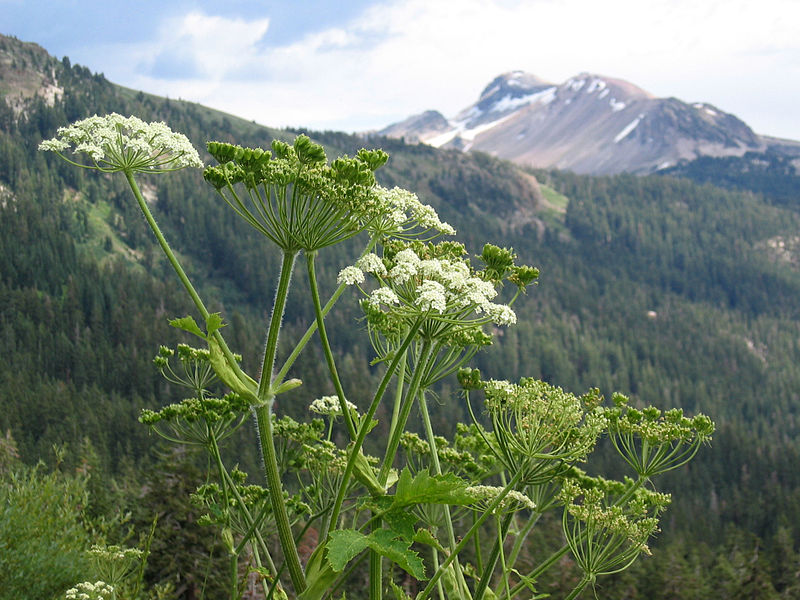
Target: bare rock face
26, 72
589, 124
418, 128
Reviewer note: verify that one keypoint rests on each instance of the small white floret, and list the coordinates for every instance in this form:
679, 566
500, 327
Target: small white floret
350, 276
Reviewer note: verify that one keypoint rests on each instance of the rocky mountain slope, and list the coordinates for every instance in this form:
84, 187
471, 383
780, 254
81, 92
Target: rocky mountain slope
589, 124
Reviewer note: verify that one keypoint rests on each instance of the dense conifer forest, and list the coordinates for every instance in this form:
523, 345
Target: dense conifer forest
675, 292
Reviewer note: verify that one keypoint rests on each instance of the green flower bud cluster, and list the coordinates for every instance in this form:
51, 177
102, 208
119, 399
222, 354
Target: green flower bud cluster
606, 536
470, 379
293, 196
222, 506
469, 456
128, 144
291, 438
540, 429
652, 442
299, 433
500, 266
323, 456
196, 372
210, 410
199, 420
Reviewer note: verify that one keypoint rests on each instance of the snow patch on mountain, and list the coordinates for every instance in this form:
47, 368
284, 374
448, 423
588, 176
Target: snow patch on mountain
628, 128
616, 105
597, 84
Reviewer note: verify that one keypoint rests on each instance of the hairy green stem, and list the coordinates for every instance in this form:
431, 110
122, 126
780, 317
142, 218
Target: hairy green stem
263, 414
234, 564
376, 569
326, 347
288, 546
278, 307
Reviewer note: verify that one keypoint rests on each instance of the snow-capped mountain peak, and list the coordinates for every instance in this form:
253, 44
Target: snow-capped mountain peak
589, 123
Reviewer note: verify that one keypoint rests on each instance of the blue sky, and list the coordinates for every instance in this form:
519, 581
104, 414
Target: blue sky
356, 65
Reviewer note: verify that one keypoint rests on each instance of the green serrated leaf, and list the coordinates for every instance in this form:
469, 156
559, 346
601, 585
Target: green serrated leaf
213, 323
426, 489
424, 536
188, 324
399, 594
386, 543
344, 545
402, 523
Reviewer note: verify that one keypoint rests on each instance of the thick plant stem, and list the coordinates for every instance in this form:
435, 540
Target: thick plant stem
279, 305
162, 241
326, 347
375, 570
234, 576
264, 420
398, 396
263, 414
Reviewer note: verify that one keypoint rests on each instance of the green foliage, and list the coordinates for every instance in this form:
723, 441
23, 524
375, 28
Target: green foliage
424, 488
677, 293
43, 534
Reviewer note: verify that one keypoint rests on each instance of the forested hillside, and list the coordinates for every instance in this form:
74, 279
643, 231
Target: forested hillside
676, 293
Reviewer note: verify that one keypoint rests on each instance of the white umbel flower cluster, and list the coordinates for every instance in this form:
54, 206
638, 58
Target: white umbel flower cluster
432, 296
485, 494
432, 285
407, 217
117, 143
383, 295
372, 263
330, 406
350, 276
99, 590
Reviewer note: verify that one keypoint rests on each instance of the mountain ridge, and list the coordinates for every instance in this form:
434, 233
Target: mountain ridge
589, 124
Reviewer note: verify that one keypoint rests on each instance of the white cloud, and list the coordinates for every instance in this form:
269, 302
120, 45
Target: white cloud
406, 56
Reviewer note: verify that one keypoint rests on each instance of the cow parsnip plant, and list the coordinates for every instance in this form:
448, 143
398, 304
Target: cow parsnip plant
454, 515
